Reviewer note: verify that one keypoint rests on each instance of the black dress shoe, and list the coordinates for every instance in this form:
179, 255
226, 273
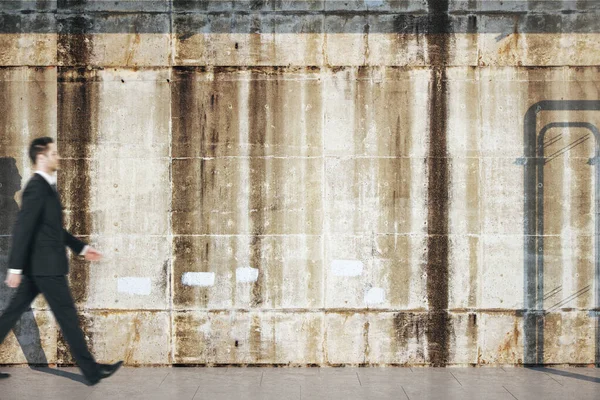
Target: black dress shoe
4, 375
106, 370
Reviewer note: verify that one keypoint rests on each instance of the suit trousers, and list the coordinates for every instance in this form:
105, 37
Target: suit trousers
58, 295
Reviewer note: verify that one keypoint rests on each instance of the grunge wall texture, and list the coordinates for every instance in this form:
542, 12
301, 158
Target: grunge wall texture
314, 182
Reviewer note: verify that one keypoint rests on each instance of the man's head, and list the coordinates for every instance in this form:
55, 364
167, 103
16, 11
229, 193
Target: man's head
44, 155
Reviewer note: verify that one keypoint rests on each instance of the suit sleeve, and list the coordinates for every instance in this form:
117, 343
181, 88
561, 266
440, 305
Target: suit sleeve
24, 229
74, 244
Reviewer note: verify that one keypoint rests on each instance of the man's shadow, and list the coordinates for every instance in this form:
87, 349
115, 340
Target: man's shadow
26, 330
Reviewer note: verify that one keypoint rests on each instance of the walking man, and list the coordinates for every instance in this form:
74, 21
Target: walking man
38, 260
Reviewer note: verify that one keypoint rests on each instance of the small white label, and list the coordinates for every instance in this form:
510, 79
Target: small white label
375, 296
134, 285
246, 274
198, 279
347, 267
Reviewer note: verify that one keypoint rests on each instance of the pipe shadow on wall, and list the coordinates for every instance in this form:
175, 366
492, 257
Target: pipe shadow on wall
26, 330
533, 222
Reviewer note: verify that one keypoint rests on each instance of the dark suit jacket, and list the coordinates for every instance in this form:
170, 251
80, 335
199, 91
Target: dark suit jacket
39, 239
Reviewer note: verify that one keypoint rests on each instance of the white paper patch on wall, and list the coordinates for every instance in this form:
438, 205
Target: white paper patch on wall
346, 267
246, 274
198, 279
134, 285
375, 296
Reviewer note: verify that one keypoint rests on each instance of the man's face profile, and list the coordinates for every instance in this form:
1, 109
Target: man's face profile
50, 159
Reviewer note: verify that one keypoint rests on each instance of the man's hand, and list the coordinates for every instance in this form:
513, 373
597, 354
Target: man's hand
92, 255
13, 280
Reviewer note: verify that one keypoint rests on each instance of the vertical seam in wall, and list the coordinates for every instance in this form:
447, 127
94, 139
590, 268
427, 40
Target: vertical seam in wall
171, 39
323, 217
170, 226
479, 295
170, 282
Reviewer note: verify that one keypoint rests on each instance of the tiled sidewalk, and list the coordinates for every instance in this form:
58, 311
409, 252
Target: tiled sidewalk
306, 383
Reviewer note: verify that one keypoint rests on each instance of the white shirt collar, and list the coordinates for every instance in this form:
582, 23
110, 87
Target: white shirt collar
51, 179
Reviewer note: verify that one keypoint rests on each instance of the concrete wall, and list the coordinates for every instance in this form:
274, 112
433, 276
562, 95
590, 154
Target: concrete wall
309, 182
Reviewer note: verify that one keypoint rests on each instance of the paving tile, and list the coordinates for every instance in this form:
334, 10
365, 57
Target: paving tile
419, 392
384, 376
434, 377
243, 392
535, 390
358, 393
277, 376
200, 376
485, 377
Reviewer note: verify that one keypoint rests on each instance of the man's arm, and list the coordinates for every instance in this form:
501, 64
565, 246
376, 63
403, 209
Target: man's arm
75, 244
31, 209
79, 247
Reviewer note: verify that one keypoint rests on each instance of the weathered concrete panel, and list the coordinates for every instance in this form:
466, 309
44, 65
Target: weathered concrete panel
288, 272
224, 112
502, 272
204, 47
27, 110
537, 49
371, 112
501, 129
130, 50
501, 202
137, 337
375, 195
569, 265
116, 208
465, 272
28, 49
247, 196
465, 209
500, 339
247, 338
380, 271
569, 338
134, 274
345, 337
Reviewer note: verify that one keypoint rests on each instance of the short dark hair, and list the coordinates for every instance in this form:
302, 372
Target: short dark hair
39, 146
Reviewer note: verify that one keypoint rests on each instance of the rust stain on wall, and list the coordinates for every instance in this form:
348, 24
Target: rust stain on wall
205, 112
367, 349
473, 271
62, 348
255, 338
77, 130
437, 267
74, 49
408, 327
189, 342
190, 254
395, 251
258, 101
185, 111
472, 334
10, 135
509, 348
77, 116
133, 342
